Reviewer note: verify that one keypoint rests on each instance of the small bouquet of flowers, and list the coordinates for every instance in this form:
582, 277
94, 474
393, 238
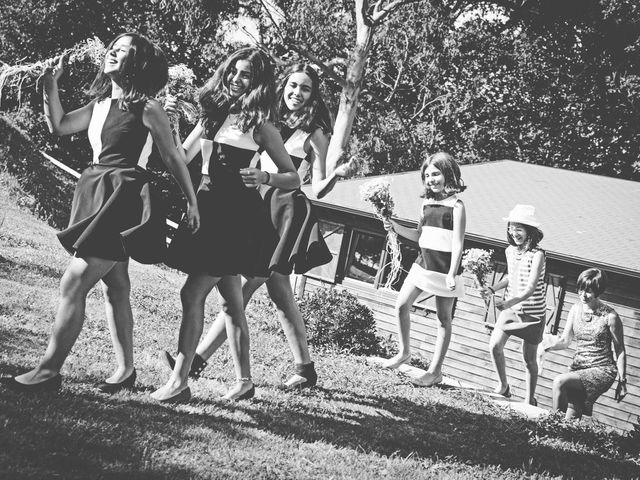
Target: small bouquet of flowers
377, 193
180, 85
478, 262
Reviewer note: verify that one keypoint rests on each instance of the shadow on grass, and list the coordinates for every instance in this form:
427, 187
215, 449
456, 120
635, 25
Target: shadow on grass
22, 271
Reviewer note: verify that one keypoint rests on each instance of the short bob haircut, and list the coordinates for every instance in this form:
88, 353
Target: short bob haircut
449, 167
592, 280
534, 235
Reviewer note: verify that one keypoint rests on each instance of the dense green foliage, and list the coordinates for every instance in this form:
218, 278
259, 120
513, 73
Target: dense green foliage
335, 318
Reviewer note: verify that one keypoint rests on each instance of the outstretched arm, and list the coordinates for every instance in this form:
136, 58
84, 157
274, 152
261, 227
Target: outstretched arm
321, 181
59, 122
155, 119
567, 333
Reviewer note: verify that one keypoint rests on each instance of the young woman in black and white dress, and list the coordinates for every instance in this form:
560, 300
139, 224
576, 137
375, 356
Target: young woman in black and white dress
305, 126
114, 214
236, 237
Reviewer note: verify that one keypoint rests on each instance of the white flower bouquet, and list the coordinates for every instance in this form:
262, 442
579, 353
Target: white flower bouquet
377, 192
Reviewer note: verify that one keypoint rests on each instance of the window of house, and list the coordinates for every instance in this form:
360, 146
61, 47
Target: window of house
365, 257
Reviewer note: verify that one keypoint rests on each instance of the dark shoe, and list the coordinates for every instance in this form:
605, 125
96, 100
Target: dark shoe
507, 392
304, 377
197, 366
534, 402
51, 385
234, 397
182, 397
127, 383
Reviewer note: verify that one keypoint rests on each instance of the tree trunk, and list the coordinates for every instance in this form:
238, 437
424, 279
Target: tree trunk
351, 91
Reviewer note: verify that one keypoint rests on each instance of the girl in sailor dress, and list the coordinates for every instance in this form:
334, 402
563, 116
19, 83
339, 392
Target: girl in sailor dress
236, 237
306, 123
114, 214
440, 236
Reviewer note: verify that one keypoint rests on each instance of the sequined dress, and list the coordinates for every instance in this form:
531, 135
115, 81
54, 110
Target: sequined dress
593, 360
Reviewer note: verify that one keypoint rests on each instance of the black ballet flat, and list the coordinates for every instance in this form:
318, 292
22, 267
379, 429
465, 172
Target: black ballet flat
53, 384
111, 388
197, 366
244, 396
181, 397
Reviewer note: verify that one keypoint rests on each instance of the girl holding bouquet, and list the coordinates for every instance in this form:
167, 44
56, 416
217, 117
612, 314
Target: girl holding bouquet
236, 237
114, 214
522, 311
306, 125
440, 236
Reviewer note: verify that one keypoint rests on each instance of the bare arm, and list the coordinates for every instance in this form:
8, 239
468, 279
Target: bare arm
59, 122
322, 180
567, 334
536, 270
191, 145
459, 228
287, 178
617, 335
405, 232
155, 119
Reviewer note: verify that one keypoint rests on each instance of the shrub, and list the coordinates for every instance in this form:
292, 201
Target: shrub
336, 319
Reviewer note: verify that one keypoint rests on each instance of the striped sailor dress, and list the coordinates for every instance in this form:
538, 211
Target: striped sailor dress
300, 245
533, 309
235, 235
435, 229
116, 214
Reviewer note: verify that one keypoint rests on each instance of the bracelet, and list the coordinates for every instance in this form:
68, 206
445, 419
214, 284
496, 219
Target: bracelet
268, 178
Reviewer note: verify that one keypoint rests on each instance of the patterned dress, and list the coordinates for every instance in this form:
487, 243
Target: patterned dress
115, 212
235, 235
301, 245
429, 272
593, 359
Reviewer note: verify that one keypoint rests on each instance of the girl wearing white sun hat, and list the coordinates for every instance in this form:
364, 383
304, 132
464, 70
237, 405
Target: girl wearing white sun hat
523, 306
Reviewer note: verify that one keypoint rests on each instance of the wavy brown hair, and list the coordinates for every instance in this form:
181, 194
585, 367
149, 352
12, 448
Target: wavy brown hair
315, 113
450, 169
143, 73
255, 107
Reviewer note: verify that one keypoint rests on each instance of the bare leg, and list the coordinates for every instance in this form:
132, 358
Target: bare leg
567, 387
78, 279
279, 287
117, 287
529, 352
444, 307
238, 334
193, 296
407, 295
217, 333
496, 348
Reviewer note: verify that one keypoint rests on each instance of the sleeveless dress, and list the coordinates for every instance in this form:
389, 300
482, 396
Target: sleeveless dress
429, 272
115, 213
301, 245
532, 310
593, 359
235, 235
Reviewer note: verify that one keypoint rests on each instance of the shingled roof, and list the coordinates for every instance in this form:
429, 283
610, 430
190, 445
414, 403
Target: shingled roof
587, 219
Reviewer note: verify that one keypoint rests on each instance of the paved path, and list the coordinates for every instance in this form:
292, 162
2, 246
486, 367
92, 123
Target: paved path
525, 409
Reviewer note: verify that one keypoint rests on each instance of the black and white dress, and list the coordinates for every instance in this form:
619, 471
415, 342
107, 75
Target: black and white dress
115, 212
301, 245
235, 235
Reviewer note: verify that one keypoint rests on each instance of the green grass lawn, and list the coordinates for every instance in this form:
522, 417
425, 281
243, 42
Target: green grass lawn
360, 422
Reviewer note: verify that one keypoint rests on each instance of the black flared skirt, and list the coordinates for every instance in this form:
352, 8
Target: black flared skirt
116, 214
235, 235
300, 245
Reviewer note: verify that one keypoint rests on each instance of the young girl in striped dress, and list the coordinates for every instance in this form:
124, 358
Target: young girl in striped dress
522, 311
440, 236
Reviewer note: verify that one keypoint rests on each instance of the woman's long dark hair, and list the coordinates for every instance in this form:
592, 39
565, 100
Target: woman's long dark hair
450, 169
314, 114
143, 73
255, 107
